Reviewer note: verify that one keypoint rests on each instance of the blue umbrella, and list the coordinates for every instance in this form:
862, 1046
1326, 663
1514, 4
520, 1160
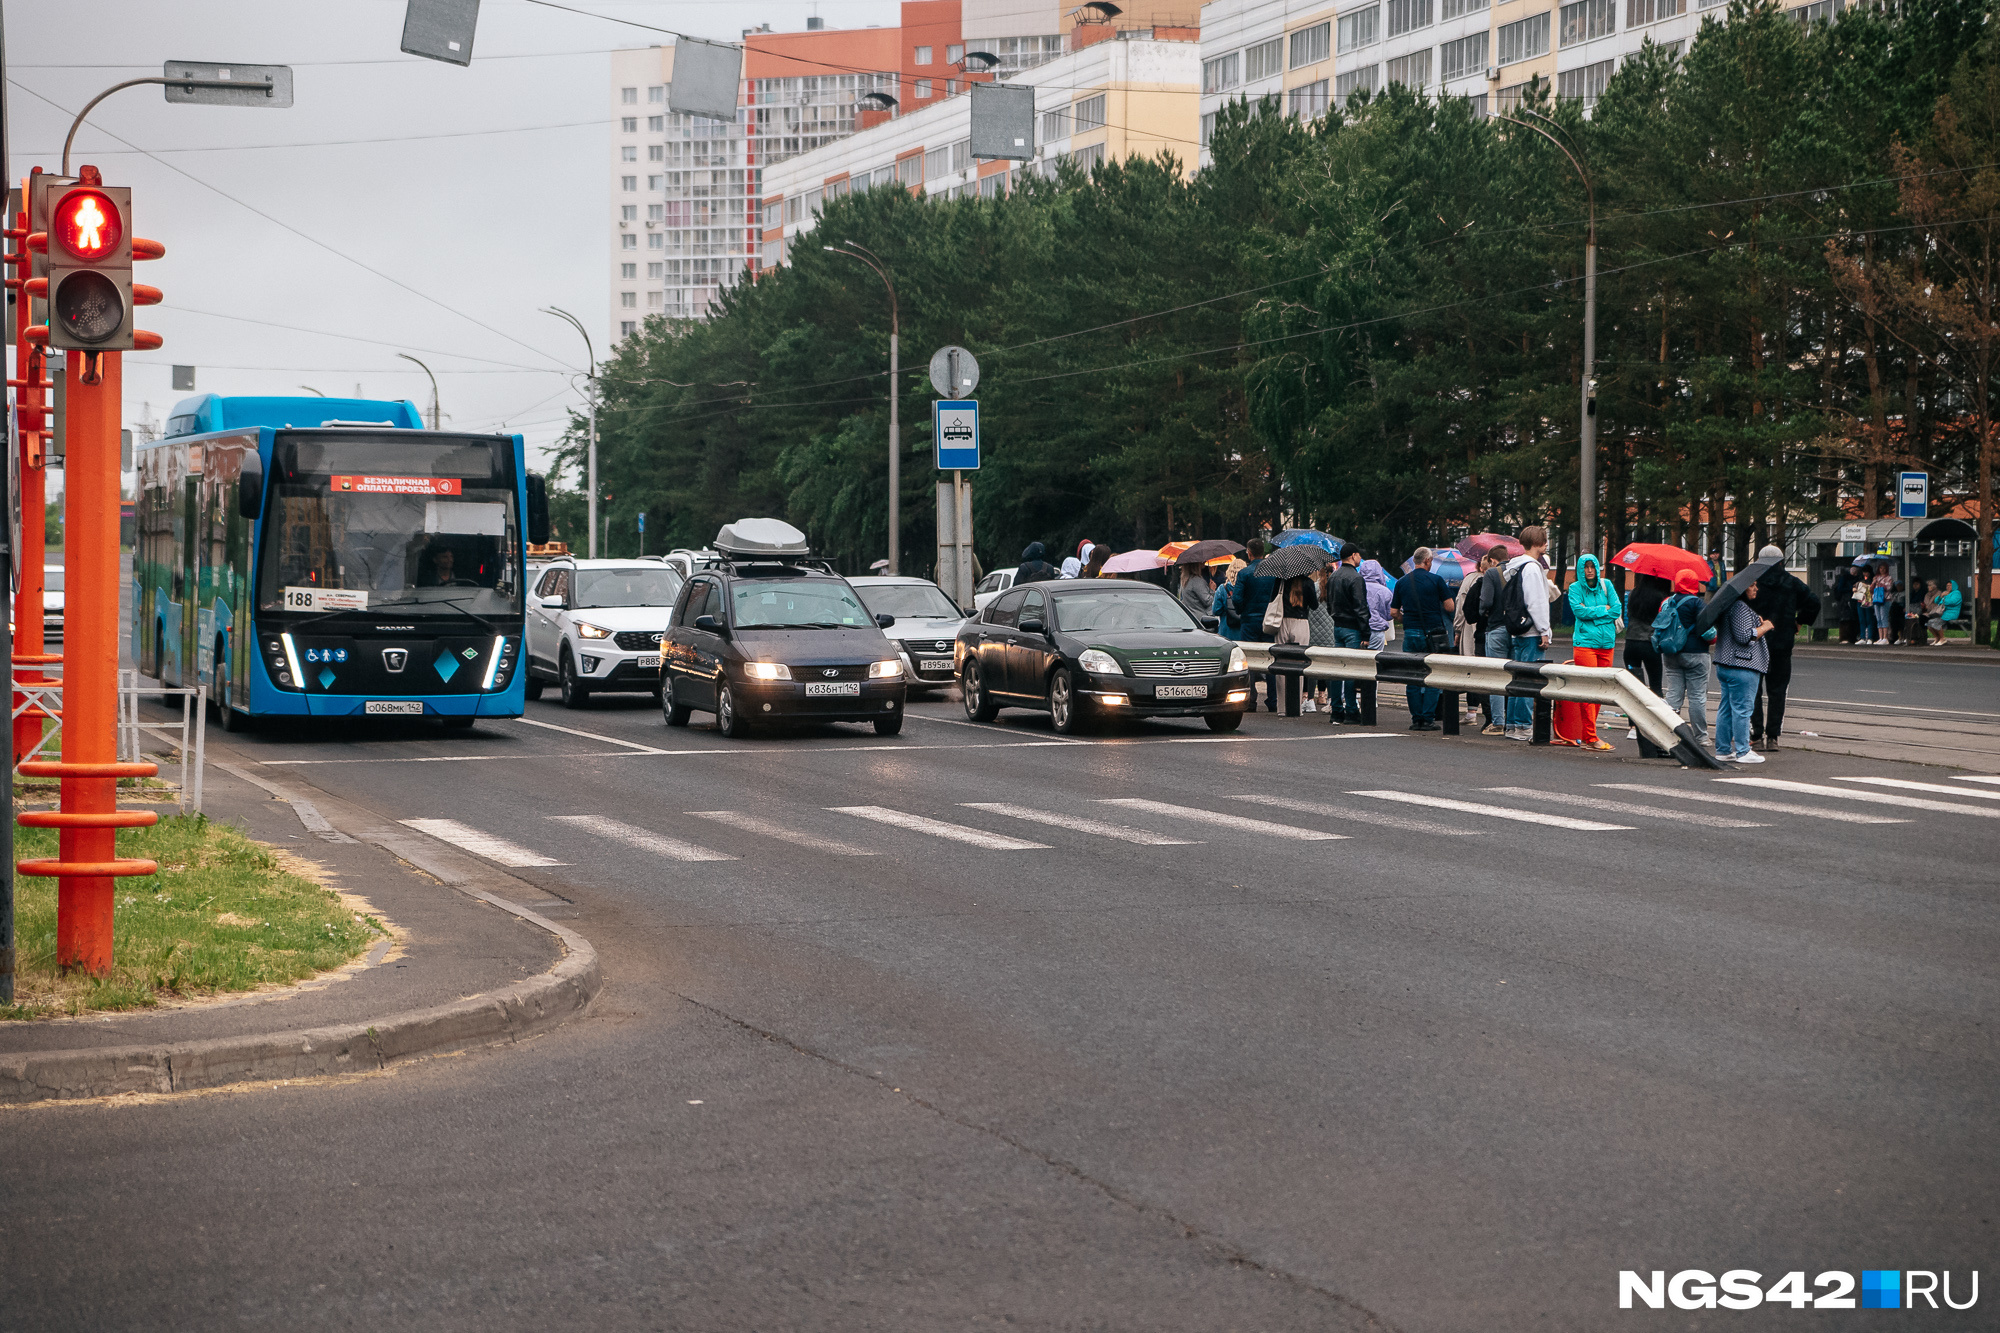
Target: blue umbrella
1307, 537
1447, 565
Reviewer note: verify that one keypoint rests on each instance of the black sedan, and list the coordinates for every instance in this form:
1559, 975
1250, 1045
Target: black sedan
779, 643
1089, 649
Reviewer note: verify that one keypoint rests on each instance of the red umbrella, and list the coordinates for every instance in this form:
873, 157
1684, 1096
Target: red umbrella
1475, 547
1662, 561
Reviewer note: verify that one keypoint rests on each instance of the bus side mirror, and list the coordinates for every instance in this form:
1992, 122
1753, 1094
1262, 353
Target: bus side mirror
538, 508
250, 488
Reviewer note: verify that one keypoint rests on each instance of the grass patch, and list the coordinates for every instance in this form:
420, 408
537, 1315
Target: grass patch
223, 914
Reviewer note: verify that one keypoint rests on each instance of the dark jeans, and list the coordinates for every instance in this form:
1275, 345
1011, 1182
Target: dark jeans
1423, 701
1776, 681
1479, 650
1643, 660
1348, 702
1255, 634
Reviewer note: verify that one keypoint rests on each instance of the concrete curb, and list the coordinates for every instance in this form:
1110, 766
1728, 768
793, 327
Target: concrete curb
505, 1015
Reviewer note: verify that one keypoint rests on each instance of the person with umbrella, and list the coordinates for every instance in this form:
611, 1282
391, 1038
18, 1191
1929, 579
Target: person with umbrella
1252, 597
1741, 659
1789, 603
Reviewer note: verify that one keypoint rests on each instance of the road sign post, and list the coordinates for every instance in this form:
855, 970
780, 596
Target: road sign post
642, 532
955, 441
954, 539
1913, 495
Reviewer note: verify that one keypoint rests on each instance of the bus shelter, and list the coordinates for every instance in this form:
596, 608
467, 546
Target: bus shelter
1933, 549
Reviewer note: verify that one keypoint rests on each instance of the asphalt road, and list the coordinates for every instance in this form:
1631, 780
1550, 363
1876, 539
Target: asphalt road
1374, 1063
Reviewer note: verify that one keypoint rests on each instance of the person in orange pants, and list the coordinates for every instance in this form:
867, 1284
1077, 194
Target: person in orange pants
1600, 615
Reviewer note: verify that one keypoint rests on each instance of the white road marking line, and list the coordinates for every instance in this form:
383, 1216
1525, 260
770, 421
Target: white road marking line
1899, 708
1745, 803
1626, 808
937, 828
1077, 823
1474, 808
1875, 798
766, 828
1965, 777
1362, 816
1906, 785
479, 844
1241, 823
588, 735
983, 726
674, 849
1861, 691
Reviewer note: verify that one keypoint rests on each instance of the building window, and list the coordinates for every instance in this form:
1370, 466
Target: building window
628, 212
795, 208
654, 300
1413, 71
653, 271
1309, 102
1451, 9
1464, 58
1090, 114
910, 170
923, 89
951, 87
656, 212
1408, 16
990, 186
656, 124
1309, 45
1207, 128
629, 184
1221, 74
1588, 19
1055, 125
629, 153
1822, 12
1354, 81
656, 93
923, 55
1641, 12
1585, 85
626, 328
629, 96
655, 240
937, 163
1361, 28
630, 124
1264, 60
1523, 40
629, 241
1088, 159
654, 182
628, 300
1508, 100
656, 152
954, 54
628, 271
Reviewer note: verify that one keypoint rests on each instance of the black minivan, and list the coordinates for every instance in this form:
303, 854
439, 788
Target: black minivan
763, 634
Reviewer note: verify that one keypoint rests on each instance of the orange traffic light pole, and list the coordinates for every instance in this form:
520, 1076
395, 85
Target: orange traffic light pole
32, 382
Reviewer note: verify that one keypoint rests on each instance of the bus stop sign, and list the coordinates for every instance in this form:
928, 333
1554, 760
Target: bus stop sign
1913, 495
955, 434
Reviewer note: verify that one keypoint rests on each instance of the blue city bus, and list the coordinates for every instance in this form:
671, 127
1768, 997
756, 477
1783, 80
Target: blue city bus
329, 557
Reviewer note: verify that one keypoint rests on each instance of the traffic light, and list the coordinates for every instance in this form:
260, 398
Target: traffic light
90, 269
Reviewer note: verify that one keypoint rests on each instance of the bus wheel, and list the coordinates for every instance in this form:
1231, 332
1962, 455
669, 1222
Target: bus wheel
157, 667
225, 691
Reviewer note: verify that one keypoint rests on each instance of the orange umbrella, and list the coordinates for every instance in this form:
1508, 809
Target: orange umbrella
1171, 552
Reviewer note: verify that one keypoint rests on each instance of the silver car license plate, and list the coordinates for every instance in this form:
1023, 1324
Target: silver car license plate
647, 663
410, 706
820, 689
1180, 691
934, 664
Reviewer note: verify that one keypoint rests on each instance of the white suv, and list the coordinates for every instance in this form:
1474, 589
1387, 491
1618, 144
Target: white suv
596, 625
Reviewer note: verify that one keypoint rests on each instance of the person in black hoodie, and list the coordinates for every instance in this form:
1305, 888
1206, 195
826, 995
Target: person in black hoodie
1347, 602
1034, 569
1641, 658
1788, 603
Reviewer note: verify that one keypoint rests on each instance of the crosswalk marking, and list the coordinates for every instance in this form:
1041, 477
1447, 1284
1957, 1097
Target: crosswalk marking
1874, 798
767, 828
1982, 777
937, 828
674, 849
1626, 808
1746, 803
1474, 808
479, 844
1077, 823
1905, 784
1361, 816
1241, 823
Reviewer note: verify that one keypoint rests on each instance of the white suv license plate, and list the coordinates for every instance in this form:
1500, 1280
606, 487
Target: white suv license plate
934, 664
821, 689
647, 663
400, 706
1180, 691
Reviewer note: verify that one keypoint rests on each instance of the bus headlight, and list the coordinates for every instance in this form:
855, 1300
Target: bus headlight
889, 670
767, 671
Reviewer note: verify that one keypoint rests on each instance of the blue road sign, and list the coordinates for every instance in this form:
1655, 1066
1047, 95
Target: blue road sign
642, 520
955, 434
1913, 495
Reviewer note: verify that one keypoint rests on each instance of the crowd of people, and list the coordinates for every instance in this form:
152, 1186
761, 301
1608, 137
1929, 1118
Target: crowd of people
1874, 610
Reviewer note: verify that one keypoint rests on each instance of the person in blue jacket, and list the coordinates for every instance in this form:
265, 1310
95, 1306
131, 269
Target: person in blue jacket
1254, 593
1600, 613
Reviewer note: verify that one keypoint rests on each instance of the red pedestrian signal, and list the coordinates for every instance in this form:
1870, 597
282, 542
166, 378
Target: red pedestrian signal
90, 267
87, 224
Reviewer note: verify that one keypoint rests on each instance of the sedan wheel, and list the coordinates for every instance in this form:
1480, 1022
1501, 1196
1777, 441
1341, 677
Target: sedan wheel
972, 693
1065, 709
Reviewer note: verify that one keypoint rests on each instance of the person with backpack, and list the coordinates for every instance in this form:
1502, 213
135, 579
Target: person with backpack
1033, 568
1599, 613
1683, 657
1521, 624
1741, 657
1347, 599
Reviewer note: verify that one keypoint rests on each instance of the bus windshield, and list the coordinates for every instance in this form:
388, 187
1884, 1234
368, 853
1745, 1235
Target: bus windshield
408, 526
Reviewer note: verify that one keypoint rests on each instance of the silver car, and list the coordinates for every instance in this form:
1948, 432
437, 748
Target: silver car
926, 623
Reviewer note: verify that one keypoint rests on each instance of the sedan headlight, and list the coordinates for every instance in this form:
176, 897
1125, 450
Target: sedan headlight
1100, 663
767, 671
888, 670
1237, 661
591, 631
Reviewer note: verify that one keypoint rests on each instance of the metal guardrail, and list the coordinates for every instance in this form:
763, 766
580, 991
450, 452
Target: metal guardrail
182, 743
1660, 728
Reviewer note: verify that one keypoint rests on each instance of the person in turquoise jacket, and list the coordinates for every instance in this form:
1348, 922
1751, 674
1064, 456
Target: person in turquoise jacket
1599, 614
1948, 603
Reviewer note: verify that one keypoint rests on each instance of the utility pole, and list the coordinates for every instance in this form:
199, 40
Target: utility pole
434, 385
590, 481
869, 258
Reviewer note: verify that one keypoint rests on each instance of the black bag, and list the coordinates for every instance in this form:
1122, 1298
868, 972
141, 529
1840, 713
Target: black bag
1437, 640
1514, 604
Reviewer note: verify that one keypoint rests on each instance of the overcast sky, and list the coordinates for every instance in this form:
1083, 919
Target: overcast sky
481, 229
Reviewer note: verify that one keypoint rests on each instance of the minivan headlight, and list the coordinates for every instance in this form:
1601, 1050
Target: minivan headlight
1237, 661
767, 671
888, 670
1100, 663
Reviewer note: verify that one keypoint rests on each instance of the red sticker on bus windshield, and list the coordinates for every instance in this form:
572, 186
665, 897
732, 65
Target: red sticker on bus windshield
399, 485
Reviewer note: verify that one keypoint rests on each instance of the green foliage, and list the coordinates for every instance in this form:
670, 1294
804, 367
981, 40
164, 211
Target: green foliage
1371, 323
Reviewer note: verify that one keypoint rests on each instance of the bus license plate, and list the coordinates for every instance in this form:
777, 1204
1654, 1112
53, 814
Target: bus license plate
820, 689
647, 663
933, 664
400, 706
1180, 691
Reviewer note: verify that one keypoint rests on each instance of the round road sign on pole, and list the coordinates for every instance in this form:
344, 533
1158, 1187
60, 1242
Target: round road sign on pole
954, 374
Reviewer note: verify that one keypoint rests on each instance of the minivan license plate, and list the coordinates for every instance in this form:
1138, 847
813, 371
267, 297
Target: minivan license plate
393, 706
1180, 691
818, 689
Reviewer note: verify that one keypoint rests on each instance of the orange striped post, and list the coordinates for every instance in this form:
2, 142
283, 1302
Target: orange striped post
32, 382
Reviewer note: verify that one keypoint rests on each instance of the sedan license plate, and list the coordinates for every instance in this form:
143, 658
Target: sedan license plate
409, 706
934, 664
821, 689
1180, 691
647, 663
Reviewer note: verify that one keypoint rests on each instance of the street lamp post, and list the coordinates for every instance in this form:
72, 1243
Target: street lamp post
1587, 460
869, 258
434, 386
590, 521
